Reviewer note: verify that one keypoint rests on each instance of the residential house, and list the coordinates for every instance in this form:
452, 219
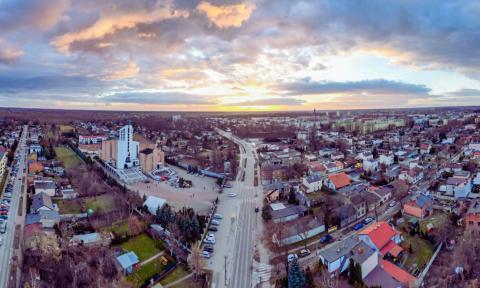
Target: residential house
458, 187
384, 192
400, 275
382, 237
128, 262
44, 186
412, 176
47, 218
370, 165
453, 167
420, 207
41, 201
472, 218
337, 156
337, 181
336, 258
360, 205
297, 232
284, 213
386, 159
312, 183
347, 214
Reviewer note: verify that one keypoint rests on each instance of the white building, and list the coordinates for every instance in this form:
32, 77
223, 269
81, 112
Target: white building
370, 165
386, 159
127, 149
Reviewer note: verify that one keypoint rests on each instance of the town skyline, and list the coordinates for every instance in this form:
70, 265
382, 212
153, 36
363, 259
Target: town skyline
238, 56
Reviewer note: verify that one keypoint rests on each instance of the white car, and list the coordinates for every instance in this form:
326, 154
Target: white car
217, 216
232, 194
206, 254
392, 204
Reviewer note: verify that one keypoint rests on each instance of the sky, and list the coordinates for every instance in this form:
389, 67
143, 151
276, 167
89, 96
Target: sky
242, 55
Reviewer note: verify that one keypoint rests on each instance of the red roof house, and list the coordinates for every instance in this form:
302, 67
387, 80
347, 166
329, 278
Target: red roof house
382, 237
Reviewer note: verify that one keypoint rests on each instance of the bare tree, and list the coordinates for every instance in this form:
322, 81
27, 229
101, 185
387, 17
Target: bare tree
134, 226
196, 261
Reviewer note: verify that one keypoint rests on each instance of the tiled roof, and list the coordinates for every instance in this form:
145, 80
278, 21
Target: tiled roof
398, 273
340, 180
380, 233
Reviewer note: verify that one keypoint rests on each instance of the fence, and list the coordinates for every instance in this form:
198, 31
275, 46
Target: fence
425, 271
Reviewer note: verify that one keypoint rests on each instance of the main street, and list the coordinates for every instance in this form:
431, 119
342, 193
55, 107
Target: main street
7, 248
241, 229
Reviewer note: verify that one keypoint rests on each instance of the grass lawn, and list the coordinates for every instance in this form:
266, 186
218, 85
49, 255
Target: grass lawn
144, 246
422, 251
119, 227
145, 272
176, 274
105, 202
69, 206
67, 156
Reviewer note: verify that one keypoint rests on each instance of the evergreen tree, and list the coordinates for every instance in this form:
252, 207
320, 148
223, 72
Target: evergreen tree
351, 272
358, 273
296, 279
309, 283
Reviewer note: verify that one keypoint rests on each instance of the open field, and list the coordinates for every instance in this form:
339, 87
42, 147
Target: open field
73, 206
67, 156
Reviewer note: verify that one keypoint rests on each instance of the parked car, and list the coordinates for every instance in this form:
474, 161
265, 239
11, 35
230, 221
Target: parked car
232, 195
368, 220
392, 204
215, 222
207, 240
304, 253
291, 257
325, 239
213, 229
217, 216
206, 254
257, 209
358, 226
208, 248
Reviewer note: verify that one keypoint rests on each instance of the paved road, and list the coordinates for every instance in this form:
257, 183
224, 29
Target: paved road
6, 250
240, 229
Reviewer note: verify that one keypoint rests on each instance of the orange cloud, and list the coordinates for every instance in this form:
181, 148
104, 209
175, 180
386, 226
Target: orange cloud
128, 71
108, 24
227, 15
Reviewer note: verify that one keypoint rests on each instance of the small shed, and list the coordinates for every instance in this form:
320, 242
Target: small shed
127, 262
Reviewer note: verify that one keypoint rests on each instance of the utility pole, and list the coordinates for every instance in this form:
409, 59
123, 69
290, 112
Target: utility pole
225, 270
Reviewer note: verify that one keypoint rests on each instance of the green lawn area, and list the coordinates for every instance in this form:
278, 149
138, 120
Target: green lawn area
119, 227
144, 246
176, 274
67, 156
422, 251
145, 272
69, 206
105, 202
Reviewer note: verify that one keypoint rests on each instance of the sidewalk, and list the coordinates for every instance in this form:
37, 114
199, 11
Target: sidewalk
152, 258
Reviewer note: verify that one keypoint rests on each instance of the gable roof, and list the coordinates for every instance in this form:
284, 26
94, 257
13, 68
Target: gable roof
398, 273
340, 180
422, 200
128, 259
380, 233
41, 199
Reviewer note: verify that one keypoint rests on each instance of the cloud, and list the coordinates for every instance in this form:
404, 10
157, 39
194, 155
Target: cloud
375, 86
128, 71
112, 21
225, 16
9, 56
158, 98
465, 92
271, 102
15, 14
